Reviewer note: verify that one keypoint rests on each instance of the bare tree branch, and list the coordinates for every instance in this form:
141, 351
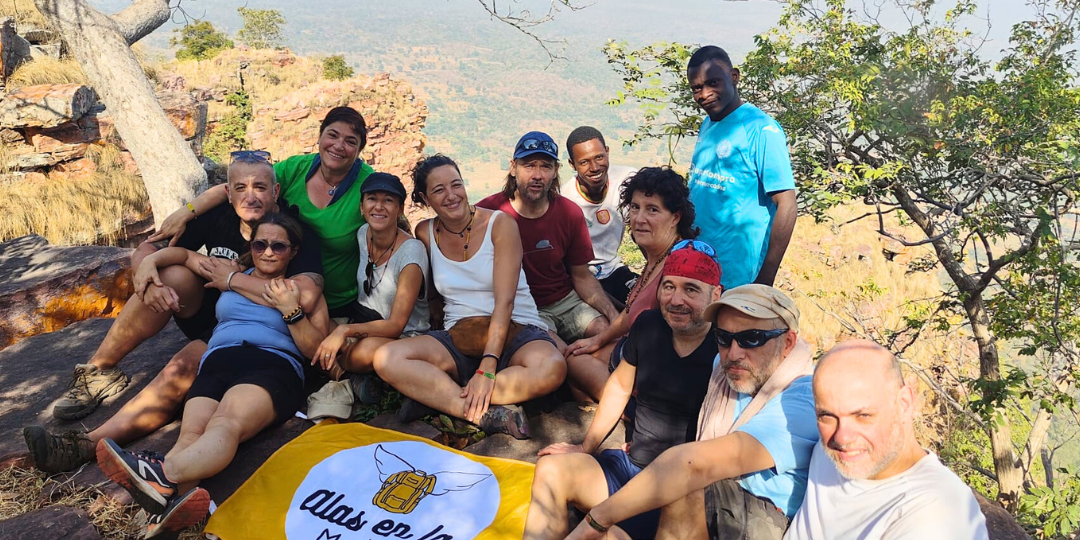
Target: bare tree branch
524, 21
140, 18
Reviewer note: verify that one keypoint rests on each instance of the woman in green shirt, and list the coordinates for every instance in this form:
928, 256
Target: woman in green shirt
323, 189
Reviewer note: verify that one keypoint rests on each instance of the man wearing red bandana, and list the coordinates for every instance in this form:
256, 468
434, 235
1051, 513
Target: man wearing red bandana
668, 359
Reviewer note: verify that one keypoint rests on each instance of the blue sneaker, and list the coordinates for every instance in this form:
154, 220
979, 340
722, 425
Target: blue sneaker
140, 473
180, 513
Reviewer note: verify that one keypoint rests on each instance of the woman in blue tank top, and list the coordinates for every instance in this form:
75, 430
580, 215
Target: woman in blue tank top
250, 378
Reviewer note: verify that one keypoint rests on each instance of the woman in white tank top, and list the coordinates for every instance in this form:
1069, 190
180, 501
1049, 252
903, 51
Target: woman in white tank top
476, 269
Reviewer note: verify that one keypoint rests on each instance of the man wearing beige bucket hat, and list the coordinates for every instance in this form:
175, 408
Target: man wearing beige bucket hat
745, 476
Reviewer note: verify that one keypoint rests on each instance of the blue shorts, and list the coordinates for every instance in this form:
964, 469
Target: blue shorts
618, 470
467, 366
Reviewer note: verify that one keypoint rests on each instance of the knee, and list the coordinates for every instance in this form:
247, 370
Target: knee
224, 423
381, 361
552, 372
547, 475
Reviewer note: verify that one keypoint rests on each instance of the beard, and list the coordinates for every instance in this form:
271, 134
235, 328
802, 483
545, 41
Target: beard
694, 325
751, 381
879, 459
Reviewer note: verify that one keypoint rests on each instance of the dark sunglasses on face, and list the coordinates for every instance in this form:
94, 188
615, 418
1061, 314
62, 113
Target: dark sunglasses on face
533, 144
696, 245
250, 156
747, 339
279, 248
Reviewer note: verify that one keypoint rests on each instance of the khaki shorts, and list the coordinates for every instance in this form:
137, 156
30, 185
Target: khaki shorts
569, 317
732, 513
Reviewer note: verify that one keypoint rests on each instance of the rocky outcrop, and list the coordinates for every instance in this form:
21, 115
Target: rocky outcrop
14, 49
50, 522
48, 128
46, 288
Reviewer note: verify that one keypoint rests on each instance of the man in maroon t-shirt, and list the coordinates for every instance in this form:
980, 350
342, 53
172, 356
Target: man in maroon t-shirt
555, 242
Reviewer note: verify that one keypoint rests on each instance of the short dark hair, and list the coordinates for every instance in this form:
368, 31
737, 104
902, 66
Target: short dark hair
423, 169
580, 135
351, 118
292, 227
510, 184
706, 53
670, 186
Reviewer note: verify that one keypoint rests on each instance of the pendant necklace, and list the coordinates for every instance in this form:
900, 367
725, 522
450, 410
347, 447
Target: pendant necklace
465, 233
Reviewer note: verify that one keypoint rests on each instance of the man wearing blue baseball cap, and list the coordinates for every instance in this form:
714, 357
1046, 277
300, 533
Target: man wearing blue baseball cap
556, 249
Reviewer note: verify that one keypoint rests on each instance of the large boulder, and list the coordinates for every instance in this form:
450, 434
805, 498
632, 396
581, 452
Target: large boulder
46, 287
14, 50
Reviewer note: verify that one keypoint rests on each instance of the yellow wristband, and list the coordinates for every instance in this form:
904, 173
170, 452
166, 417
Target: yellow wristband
191, 207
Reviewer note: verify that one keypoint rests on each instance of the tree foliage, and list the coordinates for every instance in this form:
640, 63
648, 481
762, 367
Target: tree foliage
981, 156
262, 28
335, 69
199, 41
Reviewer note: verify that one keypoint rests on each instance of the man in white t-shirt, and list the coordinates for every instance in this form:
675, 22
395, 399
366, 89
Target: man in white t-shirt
596, 189
869, 478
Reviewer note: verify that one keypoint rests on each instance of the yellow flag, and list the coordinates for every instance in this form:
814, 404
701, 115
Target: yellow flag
353, 482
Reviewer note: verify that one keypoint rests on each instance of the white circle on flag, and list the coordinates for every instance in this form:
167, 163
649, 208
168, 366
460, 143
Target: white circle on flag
401, 489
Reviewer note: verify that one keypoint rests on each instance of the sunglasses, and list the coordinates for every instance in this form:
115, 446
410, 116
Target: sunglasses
279, 248
533, 144
250, 156
747, 339
696, 245
369, 276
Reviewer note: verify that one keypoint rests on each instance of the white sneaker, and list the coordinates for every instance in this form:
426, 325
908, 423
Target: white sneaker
334, 399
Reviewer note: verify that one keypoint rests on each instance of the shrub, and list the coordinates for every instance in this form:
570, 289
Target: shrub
199, 41
335, 68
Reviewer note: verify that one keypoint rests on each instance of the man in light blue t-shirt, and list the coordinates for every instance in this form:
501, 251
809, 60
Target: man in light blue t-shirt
746, 475
740, 179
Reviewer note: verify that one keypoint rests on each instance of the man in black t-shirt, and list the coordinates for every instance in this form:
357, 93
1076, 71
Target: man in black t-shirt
178, 293
668, 359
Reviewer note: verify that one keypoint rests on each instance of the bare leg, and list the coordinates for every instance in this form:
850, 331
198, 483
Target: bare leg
422, 369
560, 479
156, 404
589, 373
684, 519
244, 411
597, 325
137, 322
360, 357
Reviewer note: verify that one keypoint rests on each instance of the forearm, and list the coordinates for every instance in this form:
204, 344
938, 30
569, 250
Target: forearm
682, 470
306, 336
617, 329
249, 287
384, 328
498, 328
207, 200
590, 290
169, 257
613, 400
782, 227
144, 250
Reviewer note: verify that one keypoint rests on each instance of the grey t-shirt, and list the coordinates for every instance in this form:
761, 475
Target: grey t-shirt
385, 281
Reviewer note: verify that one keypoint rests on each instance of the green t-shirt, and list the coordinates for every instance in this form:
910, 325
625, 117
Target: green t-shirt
336, 226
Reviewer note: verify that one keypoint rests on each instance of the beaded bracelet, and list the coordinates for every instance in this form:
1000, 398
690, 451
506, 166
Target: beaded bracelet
294, 317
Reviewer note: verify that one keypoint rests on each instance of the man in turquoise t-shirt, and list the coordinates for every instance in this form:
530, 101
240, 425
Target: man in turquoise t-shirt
740, 179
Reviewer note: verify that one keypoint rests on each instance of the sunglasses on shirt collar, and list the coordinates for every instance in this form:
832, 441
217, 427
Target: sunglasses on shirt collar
747, 339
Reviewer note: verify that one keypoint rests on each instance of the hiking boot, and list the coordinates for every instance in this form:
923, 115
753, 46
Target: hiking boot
508, 419
58, 453
89, 386
140, 473
180, 513
366, 387
412, 410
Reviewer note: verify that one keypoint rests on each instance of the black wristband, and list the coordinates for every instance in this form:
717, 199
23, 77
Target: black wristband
490, 355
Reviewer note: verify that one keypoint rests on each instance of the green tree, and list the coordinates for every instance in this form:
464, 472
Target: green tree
262, 28
334, 68
199, 41
982, 157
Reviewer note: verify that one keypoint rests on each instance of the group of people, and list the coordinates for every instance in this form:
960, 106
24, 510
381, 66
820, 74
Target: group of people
312, 274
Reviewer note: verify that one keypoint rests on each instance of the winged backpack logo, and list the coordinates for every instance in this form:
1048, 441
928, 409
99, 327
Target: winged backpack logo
403, 490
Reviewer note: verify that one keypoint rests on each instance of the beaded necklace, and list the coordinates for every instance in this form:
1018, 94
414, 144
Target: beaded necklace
645, 277
465, 233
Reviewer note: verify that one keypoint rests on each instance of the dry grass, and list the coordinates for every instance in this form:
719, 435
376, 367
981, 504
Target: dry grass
23, 491
24, 12
47, 70
75, 211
